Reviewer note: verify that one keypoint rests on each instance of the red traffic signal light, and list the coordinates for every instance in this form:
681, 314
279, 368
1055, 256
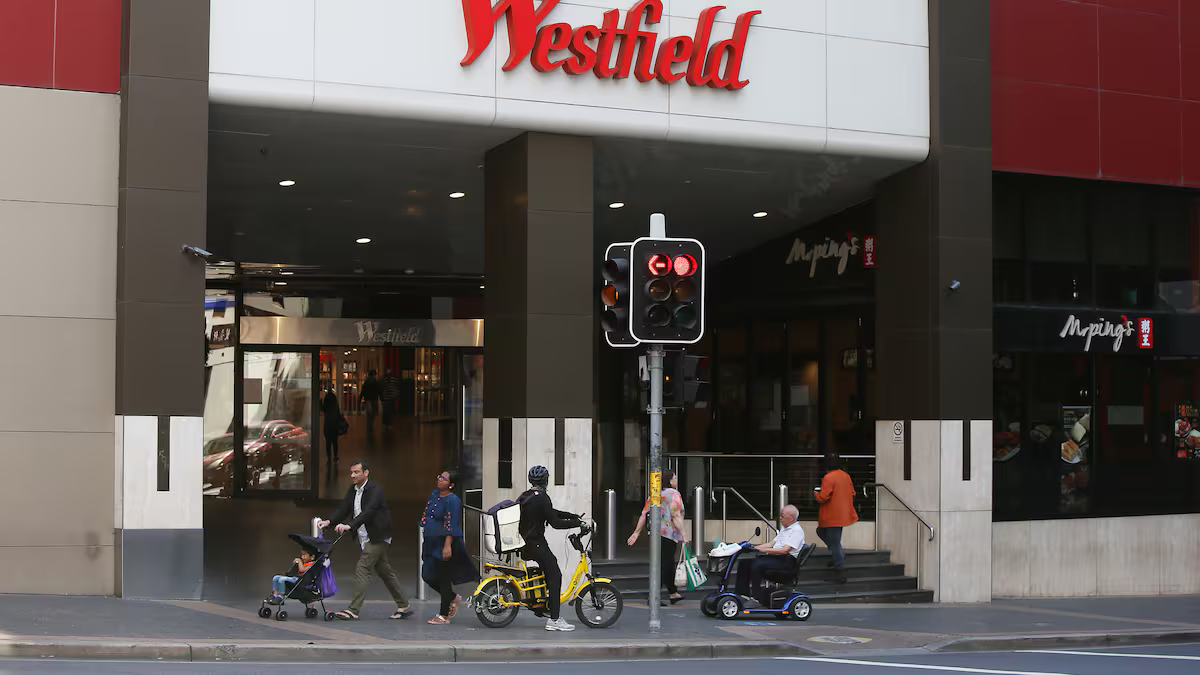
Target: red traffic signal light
660, 265
685, 265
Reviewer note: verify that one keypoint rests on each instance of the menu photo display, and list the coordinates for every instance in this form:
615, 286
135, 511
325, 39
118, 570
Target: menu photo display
1187, 431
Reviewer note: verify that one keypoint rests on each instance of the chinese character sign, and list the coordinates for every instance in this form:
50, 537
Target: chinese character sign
869, 251
1146, 333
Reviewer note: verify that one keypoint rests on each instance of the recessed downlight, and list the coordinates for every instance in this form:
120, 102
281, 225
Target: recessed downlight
410, 271
363, 240
457, 195
617, 205
281, 283
761, 214
286, 183
287, 274
481, 287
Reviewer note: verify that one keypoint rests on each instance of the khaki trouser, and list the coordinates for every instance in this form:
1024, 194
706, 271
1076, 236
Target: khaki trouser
374, 559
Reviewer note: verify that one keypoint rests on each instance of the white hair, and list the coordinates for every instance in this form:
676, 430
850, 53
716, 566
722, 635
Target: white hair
791, 510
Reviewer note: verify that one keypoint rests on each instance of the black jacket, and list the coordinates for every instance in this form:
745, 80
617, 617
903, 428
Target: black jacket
375, 513
537, 511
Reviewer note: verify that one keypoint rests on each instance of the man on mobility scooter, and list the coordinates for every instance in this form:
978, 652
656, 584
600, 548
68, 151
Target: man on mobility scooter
778, 563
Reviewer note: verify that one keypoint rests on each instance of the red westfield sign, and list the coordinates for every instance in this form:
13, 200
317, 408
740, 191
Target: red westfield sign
591, 48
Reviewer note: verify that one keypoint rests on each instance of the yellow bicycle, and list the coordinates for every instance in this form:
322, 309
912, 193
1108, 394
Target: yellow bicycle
501, 596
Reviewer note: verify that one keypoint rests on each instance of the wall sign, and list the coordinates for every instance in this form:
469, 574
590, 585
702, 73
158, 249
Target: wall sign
869, 252
591, 48
828, 249
1101, 328
276, 330
1145, 333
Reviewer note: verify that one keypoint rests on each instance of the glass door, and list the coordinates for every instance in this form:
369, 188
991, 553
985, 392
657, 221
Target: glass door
278, 421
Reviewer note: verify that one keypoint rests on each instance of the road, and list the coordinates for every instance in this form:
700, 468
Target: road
1161, 660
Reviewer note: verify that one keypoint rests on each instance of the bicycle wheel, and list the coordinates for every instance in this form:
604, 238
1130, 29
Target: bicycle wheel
599, 605
488, 603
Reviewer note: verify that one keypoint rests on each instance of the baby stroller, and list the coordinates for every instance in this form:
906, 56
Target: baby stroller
313, 586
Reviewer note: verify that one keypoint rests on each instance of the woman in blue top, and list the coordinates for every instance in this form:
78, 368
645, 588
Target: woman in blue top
445, 560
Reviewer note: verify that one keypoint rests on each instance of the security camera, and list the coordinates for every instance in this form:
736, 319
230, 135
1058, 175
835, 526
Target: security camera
198, 252
955, 285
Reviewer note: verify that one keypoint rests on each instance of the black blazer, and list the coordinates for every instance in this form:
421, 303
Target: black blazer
375, 513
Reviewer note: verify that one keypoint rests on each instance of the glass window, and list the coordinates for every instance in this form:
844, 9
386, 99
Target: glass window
766, 397
278, 419
1055, 216
1008, 244
731, 396
1176, 242
804, 380
1122, 227
218, 394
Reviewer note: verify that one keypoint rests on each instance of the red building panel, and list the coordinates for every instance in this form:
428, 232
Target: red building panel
1140, 138
1189, 33
27, 43
1190, 147
1139, 52
1041, 128
1045, 41
1168, 7
87, 53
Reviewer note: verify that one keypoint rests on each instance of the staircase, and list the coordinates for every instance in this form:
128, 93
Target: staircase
871, 577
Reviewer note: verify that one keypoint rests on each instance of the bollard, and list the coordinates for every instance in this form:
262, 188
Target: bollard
783, 501
610, 523
698, 544
420, 561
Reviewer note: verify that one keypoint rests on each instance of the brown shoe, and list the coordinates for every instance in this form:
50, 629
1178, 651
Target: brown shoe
454, 607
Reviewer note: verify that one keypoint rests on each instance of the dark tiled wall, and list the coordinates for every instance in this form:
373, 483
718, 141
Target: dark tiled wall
540, 333
934, 226
1098, 89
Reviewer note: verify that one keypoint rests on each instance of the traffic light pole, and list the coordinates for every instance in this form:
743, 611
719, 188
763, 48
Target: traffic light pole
654, 359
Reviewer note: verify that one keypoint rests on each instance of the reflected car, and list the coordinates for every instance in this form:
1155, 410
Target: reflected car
269, 446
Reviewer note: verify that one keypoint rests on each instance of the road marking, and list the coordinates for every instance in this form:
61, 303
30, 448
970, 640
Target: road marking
918, 666
1170, 657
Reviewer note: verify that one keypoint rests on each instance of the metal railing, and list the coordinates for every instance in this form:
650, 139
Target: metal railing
725, 491
932, 532
796, 471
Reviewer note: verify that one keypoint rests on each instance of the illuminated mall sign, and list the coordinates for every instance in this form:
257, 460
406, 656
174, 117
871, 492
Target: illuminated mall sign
591, 48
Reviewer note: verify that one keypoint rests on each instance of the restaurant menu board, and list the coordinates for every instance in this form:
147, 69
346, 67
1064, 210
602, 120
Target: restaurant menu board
1073, 476
1187, 431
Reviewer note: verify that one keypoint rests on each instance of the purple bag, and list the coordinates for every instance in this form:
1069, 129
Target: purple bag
326, 581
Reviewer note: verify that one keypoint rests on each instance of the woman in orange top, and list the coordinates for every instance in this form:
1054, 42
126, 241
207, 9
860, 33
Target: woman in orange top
836, 497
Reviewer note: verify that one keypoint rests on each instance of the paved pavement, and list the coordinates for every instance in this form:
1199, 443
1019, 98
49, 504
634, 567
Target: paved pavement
1160, 660
34, 625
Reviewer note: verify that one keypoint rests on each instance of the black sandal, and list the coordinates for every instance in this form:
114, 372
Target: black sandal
347, 615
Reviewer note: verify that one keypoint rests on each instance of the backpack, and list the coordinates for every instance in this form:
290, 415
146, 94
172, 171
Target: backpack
502, 526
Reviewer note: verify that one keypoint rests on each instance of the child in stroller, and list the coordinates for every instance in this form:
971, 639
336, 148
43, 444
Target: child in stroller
309, 581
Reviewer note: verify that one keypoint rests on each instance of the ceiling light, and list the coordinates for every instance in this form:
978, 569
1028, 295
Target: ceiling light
363, 240
410, 271
286, 183
287, 274
617, 205
457, 195
281, 283
481, 287
761, 214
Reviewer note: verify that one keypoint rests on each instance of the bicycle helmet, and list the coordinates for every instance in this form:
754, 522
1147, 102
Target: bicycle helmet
539, 476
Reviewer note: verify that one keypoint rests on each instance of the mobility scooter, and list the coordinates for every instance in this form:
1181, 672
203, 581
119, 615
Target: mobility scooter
785, 602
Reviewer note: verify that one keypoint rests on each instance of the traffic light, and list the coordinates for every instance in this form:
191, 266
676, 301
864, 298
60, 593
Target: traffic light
614, 317
667, 290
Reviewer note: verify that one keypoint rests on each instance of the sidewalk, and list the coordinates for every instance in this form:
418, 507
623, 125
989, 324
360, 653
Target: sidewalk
84, 627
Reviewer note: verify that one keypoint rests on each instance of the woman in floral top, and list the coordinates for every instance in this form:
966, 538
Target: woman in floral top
671, 528
444, 559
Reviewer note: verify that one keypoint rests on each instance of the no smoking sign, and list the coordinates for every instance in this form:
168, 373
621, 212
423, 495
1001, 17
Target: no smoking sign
898, 432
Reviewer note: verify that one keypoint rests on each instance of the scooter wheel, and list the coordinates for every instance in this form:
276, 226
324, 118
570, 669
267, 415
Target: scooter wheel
729, 607
265, 612
709, 605
800, 610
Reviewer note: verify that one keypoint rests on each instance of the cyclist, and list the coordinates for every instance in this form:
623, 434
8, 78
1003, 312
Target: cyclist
537, 511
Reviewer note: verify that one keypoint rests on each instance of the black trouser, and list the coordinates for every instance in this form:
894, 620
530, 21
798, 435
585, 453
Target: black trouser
670, 560
832, 536
331, 447
750, 573
444, 584
540, 553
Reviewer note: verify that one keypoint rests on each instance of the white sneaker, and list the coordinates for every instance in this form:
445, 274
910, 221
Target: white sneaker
559, 624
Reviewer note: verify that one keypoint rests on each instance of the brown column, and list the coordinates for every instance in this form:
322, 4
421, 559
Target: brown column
935, 227
160, 290
540, 335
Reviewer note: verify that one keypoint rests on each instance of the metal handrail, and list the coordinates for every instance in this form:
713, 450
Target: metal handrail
725, 511
910, 510
897, 498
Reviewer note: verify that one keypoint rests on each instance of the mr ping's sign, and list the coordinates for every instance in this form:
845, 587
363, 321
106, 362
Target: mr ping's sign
1105, 329
591, 48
